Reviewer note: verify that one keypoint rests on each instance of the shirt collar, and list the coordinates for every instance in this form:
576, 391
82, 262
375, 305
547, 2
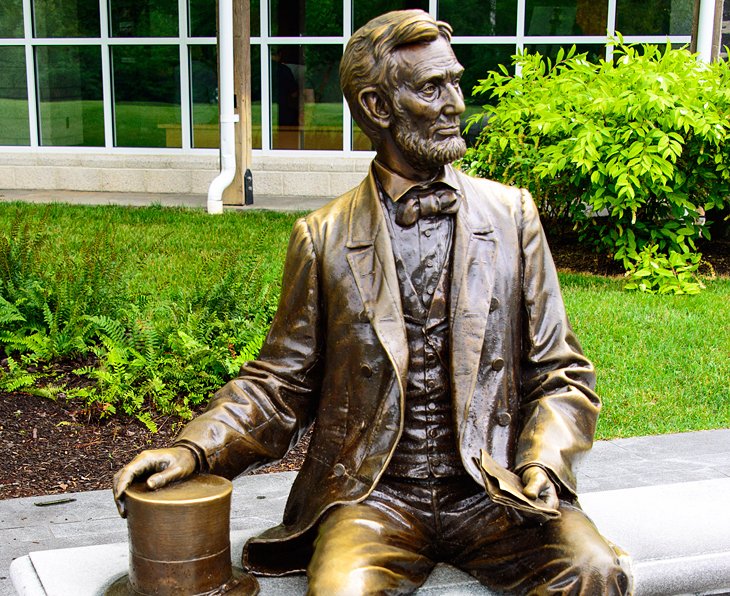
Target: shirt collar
395, 185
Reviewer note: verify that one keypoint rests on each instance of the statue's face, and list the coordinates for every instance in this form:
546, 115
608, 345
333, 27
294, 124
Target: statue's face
427, 103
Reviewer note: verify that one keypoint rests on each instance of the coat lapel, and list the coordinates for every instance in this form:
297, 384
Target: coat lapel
475, 251
370, 256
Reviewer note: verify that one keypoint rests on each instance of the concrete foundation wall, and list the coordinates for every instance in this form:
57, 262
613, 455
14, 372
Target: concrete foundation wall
273, 175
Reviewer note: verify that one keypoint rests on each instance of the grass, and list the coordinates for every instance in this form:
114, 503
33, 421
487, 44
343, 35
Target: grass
662, 361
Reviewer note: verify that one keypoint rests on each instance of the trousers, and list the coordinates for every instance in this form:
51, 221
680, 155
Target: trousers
390, 543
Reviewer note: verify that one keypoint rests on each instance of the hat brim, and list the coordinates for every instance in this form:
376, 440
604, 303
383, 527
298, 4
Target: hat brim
245, 585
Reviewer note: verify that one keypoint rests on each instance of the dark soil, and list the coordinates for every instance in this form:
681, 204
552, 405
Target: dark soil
51, 447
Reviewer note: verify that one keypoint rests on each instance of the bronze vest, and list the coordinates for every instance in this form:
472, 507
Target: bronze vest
427, 448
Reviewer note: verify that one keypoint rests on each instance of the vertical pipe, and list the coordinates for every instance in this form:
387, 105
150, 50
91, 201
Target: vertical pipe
227, 115
705, 29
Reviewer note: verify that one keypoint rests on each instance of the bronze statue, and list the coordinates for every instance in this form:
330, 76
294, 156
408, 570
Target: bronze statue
421, 326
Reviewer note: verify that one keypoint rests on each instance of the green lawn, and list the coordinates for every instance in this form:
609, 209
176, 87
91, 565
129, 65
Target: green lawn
663, 362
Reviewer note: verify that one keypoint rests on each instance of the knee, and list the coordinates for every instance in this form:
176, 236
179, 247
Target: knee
338, 580
605, 571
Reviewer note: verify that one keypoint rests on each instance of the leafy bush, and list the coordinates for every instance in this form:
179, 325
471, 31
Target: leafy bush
632, 153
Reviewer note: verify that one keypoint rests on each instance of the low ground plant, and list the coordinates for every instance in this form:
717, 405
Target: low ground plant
180, 300
151, 310
634, 154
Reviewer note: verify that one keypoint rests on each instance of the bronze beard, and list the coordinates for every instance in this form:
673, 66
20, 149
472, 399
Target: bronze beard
424, 153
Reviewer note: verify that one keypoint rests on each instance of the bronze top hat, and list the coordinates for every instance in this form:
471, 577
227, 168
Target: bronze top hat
179, 543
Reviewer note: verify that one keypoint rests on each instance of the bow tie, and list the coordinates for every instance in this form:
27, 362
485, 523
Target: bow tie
424, 201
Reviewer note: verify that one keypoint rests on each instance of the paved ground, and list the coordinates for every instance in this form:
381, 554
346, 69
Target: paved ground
259, 500
144, 199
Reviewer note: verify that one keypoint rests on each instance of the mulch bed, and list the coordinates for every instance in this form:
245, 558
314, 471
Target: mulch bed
51, 447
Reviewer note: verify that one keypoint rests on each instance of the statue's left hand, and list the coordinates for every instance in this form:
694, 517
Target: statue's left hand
539, 486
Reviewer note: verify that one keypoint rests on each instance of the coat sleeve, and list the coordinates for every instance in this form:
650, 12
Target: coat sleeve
559, 406
255, 418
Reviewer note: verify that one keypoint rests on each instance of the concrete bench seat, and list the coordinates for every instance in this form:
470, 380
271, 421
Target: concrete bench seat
678, 536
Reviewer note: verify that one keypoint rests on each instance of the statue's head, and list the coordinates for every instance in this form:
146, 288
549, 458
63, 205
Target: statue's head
400, 78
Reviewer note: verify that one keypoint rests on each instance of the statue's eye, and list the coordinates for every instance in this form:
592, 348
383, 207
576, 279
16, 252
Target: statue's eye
429, 90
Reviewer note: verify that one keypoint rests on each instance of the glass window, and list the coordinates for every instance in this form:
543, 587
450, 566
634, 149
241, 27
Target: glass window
362, 12
144, 18
203, 14
306, 111
294, 18
70, 95
566, 17
202, 18
66, 18
480, 17
204, 84
146, 96
256, 96
14, 127
655, 17
477, 61
11, 18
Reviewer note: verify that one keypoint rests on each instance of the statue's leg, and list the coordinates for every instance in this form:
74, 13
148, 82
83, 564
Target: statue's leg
362, 549
565, 556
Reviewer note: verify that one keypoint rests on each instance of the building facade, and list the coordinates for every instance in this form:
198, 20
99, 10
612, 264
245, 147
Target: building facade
121, 95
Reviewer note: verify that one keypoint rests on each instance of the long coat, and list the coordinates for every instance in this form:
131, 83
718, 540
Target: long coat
337, 354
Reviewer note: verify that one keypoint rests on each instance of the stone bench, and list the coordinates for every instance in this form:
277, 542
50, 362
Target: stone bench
678, 536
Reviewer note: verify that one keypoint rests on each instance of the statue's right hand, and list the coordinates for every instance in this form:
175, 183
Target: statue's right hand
164, 465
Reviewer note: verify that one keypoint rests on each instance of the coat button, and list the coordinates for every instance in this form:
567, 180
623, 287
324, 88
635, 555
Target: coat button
364, 318
497, 364
494, 304
339, 470
503, 418
366, 371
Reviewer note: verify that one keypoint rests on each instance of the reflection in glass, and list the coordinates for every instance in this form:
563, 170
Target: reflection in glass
294, 18
204, 82
362, 12
146, 96
70, 95
66, 18
566, 17
655, 17
306, 111
144, 18
11, 18
14, 127
480, 17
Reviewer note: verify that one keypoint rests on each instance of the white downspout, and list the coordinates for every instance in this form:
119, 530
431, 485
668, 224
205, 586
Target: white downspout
705, 29
227, 115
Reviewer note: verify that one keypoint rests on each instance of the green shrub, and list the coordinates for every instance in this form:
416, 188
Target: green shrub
631, 153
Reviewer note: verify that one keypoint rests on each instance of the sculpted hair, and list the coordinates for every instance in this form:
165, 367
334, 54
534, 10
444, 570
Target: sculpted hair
368, 58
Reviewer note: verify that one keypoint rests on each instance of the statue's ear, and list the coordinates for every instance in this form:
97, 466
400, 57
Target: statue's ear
375, 107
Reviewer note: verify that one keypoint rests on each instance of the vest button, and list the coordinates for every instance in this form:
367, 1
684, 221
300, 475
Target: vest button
339, 470
366, 371
503, 418
494, 304
497, 364
431, 406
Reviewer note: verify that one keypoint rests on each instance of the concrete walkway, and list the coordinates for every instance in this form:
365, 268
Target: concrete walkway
258, 501
271, 203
